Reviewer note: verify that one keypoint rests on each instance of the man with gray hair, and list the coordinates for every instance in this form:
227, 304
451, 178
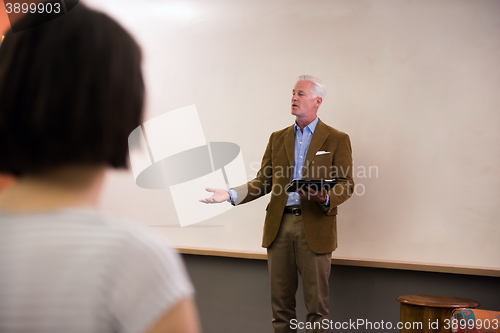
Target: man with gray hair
300, 230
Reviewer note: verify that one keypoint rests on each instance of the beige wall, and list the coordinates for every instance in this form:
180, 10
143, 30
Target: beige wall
414, 83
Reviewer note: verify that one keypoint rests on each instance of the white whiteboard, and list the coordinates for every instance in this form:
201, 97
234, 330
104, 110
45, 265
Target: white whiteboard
414, 83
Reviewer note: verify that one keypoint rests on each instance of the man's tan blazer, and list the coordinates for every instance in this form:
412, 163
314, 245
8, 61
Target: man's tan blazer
329, 156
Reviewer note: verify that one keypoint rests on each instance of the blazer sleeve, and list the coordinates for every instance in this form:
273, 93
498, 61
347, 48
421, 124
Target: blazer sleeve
342, 169
262, 183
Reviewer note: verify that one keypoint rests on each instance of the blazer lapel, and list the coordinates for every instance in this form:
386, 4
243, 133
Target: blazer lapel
319, 136
289, 141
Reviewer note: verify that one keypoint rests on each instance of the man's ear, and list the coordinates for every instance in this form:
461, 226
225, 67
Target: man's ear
319, 100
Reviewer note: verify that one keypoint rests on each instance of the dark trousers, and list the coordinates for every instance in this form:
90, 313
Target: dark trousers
288, 255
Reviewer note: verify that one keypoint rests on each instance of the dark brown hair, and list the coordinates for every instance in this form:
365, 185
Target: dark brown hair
71, 91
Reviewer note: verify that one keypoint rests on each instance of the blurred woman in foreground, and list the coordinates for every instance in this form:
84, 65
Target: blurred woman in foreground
71, 91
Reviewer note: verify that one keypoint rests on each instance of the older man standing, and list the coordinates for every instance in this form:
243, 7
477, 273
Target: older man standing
300, 228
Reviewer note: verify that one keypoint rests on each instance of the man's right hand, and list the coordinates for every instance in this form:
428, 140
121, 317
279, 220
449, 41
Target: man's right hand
220, 195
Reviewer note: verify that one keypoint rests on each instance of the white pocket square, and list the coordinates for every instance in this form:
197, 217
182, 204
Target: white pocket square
322, 152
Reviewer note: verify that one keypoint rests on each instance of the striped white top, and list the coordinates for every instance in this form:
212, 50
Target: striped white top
76, 270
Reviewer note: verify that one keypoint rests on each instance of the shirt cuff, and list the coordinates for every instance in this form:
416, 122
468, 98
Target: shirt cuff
327, 202
233, 196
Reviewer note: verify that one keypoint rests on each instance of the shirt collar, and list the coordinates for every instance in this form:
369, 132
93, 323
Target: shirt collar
311, 126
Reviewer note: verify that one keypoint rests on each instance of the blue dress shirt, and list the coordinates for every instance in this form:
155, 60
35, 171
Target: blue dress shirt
302, 141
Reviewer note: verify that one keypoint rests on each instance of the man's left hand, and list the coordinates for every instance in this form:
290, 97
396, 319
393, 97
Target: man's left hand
309, 193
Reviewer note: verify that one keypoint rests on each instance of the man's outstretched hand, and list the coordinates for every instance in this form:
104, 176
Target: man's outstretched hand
220, 195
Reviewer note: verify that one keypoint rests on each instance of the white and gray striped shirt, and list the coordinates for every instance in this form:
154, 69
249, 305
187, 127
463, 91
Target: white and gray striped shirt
76, 270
